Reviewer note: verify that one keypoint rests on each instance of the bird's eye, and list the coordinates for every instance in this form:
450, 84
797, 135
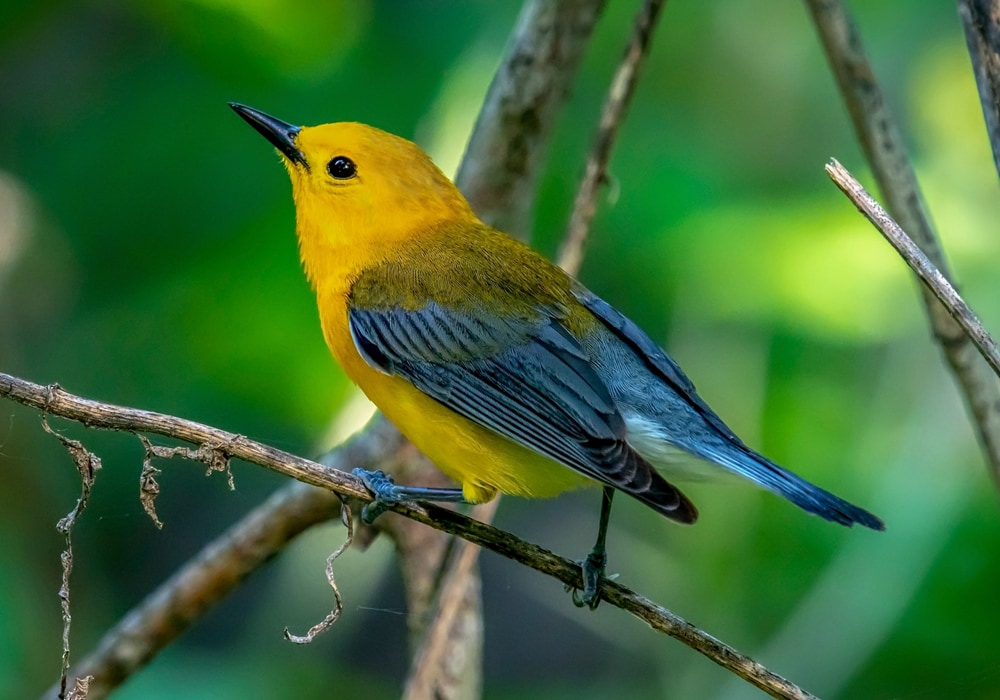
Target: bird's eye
342, 168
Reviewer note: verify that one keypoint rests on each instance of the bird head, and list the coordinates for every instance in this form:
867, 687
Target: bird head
358, 190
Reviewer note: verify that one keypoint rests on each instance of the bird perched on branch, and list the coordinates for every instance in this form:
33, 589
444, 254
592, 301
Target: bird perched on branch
506, 372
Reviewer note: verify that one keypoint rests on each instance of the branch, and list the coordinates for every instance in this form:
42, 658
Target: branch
918, 262
615, 103
883, 146
981, 22
224, 564
500, 167
53, 400
430, 674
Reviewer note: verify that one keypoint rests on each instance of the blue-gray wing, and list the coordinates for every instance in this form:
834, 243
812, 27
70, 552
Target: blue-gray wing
527, 379
650, 353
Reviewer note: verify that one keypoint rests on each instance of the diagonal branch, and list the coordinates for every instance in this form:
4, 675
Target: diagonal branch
53, 400
921, 265
883, 145
615, 103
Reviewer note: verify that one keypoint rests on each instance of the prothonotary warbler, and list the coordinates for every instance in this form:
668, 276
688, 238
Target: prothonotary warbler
506, 372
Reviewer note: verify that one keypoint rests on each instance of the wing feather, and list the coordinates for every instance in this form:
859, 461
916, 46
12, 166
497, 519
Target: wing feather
525, 378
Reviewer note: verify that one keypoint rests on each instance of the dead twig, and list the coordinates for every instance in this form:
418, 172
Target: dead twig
338, 602
612, 114
885, 151
918, 262
224, 564
87, 465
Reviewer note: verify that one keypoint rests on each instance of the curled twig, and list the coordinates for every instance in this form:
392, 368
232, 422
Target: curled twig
80, 689
211, 454
87, 465
338, 602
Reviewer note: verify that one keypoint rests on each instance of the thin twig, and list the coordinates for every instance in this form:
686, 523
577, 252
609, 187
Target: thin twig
338, 601
918, 262
981, 22
612, 114
886, 154
429, 674
56, 401
87, 465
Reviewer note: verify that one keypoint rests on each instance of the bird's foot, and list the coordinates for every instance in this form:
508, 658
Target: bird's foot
388, 493
385, 490
592, 569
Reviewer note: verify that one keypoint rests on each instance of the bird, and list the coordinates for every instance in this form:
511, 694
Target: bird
508, 373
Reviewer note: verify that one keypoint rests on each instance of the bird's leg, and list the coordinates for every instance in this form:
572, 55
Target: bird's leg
387, 493
593, 566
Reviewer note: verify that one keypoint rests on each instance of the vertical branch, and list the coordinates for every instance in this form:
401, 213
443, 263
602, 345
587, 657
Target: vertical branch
87, 465
501, 163
981, 22
882, 142
619, 94
498, 176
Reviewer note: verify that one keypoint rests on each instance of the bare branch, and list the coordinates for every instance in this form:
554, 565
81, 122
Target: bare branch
498, 176
430, 673
884, 148
981, 21
918, 262
56, 401
619, 94
500, 166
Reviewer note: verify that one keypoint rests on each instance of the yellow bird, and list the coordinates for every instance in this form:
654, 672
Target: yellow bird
507, 373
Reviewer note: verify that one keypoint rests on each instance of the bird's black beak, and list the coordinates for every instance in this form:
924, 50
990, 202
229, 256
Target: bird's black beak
279, 133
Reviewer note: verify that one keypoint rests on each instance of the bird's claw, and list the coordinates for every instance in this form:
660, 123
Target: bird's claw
592, 569
383, 488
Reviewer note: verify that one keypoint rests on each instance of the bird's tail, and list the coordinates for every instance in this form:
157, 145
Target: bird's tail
805, 495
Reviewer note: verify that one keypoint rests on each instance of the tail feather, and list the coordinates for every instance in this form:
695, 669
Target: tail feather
805, 495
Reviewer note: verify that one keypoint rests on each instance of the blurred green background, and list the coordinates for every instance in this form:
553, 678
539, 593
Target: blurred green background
147, 257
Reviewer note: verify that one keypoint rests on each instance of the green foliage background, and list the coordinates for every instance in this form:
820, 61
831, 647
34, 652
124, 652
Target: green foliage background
147, 257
